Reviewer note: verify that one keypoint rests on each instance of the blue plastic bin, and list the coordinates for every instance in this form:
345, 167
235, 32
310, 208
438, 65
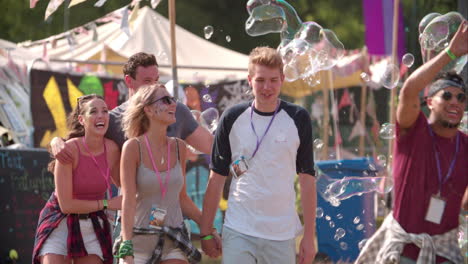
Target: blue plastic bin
356, 206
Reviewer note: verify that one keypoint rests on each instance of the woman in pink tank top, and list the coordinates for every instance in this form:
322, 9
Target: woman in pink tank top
73, 225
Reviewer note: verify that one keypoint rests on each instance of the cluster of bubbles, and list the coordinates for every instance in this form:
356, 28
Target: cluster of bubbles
306, 47
340, 233
435, 33
209, 30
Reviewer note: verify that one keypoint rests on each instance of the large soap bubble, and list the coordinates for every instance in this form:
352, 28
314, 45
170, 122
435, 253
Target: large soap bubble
306, 48
435, 33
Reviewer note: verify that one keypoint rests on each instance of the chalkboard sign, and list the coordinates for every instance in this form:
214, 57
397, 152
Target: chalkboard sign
25, 186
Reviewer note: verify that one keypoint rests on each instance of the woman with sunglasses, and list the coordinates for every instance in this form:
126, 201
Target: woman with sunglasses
73, 225
153, 184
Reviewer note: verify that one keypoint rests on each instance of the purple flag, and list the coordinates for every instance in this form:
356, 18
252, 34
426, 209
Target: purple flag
378, 20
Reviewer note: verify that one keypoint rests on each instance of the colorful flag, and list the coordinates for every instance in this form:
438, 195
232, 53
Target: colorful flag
378, 20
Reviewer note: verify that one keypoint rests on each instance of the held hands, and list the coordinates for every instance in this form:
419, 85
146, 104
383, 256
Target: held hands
458, 46
60, 151
128, 260
213, 246
307, 250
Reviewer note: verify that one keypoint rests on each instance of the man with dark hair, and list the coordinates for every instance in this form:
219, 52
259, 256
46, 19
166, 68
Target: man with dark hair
142, 69
430, 168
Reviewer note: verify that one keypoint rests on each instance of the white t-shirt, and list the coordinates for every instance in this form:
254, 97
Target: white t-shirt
262, 201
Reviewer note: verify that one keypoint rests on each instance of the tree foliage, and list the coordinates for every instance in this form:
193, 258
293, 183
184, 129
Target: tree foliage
344, 17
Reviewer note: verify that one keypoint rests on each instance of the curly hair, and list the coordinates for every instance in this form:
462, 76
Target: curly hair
75, 128
265, 56
139, 59
135, 122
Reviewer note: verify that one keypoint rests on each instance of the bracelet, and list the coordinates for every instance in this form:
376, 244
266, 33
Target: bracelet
450, 54
207, 237
105, 204
125, 249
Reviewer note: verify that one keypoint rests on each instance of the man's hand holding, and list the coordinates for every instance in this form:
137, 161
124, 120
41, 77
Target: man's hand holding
60, 151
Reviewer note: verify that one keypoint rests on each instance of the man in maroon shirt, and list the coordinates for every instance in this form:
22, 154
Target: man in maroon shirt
430, 168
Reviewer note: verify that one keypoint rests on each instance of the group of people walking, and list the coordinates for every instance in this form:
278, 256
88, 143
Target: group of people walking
141, 147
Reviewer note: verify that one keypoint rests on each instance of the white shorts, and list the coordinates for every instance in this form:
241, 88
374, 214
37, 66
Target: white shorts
143, 246
56, 243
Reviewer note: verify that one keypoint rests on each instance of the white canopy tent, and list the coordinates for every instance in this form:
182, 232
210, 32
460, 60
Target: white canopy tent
197, 58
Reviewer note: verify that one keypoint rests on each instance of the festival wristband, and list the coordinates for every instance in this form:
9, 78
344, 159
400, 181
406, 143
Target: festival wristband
125, 249
450, 54
105, 204
207, 237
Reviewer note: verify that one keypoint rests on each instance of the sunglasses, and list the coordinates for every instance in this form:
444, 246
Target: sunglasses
166, 100
447, 96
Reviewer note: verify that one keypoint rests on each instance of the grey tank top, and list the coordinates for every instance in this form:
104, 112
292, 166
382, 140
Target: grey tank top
149, 193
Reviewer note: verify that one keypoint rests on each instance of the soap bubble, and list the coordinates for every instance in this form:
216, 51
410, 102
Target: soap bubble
408, 60
228, 38
387, 131
356, 220
435, 33
319, 212
208, 31
343, 246
209, 119
362, 243
360, 227
391, 76
340, 233
207, 98
365, 77
318, 144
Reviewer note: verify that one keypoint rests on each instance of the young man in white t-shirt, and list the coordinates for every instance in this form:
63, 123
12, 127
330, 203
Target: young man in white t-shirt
263, 144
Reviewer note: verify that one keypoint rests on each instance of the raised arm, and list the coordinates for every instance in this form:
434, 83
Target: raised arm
409, 105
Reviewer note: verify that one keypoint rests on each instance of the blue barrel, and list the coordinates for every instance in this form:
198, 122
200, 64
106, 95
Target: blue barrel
355, 215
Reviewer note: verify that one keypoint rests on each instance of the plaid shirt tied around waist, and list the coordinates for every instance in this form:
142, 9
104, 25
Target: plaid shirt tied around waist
387, 244
51, 216
178, 235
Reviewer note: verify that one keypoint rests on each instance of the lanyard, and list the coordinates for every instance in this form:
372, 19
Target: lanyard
106, 174
162, 186
268, 127
452, 163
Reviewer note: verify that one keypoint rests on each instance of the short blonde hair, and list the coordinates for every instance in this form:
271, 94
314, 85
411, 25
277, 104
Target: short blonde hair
135, 122
265, 56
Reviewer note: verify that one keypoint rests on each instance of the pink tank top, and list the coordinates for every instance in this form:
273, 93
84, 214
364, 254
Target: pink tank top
88, 181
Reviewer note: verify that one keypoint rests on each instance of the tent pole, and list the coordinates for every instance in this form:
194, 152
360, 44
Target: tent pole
362, 117
326, 121
172, 18
335, 114
393, 92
